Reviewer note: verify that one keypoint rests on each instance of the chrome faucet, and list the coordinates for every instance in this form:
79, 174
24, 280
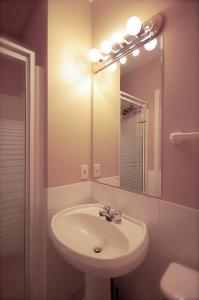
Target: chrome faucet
111, 214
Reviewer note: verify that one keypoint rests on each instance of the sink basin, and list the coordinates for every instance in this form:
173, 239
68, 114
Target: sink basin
98, 247
78, 230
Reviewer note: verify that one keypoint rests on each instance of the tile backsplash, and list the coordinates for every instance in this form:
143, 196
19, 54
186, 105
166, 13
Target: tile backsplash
68, 195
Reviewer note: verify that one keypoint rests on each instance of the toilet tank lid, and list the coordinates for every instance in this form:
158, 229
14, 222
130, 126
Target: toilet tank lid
180, 282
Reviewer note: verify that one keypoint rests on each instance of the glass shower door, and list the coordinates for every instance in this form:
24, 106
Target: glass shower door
12, 176
132, 146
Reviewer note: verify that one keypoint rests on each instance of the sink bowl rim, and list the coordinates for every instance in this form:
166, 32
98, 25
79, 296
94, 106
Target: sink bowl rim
71, 251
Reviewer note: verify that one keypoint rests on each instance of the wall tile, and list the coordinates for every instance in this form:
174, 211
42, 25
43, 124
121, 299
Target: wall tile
154, 235
175, 218
68, 195
144, 282
174, 247
146, 209
195, 239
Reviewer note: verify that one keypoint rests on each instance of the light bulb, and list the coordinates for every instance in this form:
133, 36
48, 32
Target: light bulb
136, 52
151, 45
112, 67
105, 47
133, 25
94, 55
123, 60
117, 38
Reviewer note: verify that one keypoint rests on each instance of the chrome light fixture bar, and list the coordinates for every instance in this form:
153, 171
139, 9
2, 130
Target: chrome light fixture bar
150, 29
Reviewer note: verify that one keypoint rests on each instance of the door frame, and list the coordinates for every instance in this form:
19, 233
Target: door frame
20, 53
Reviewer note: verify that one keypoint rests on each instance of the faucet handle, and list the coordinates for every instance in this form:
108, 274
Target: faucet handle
107, 208
117, 216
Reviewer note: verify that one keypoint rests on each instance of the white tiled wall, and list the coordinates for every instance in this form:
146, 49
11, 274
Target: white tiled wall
68, 195
174, 232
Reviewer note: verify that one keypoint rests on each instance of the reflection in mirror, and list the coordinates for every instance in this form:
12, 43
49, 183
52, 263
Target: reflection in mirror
132, 142
127, 105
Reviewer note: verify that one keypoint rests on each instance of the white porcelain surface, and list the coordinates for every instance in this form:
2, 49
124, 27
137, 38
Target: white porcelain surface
180, 283
76, 231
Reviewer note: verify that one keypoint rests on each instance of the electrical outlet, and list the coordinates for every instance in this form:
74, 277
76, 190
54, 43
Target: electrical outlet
84, 171
96, 170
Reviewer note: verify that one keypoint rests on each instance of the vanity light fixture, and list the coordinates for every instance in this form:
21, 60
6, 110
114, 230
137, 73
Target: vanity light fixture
123, 60
94, 55
136, 52
112, 67
136, 36
151, 45
117, 38
133, 25
106, 47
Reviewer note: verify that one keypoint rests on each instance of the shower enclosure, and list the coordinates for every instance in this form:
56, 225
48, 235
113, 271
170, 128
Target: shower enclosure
17, 85
133, 141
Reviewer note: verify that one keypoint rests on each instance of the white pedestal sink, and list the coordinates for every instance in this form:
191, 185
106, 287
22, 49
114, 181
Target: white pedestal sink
99, 248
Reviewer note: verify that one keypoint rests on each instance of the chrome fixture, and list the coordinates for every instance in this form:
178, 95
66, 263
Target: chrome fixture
111, 214
136, 35
179, 137
97, 249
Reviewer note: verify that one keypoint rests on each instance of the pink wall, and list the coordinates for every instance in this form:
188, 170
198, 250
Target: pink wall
25, 22
34, 37
12, 89
106, 122
69, 90
181, 105
12, 76
34, 33
142, 81
180, 171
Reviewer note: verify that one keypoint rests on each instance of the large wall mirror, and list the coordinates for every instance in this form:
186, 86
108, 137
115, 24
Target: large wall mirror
127, 121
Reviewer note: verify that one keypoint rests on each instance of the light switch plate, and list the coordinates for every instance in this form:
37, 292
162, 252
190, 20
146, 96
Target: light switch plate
96, 170
84, 171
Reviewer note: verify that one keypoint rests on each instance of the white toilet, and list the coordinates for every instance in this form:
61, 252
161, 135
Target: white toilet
180, 283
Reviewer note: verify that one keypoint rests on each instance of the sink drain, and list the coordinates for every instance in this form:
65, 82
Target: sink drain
97, 249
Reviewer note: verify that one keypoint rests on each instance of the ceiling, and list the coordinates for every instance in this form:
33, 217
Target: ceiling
13, 15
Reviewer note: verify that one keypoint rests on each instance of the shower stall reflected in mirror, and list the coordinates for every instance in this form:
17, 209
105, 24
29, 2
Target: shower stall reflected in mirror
16, 172
133, 135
